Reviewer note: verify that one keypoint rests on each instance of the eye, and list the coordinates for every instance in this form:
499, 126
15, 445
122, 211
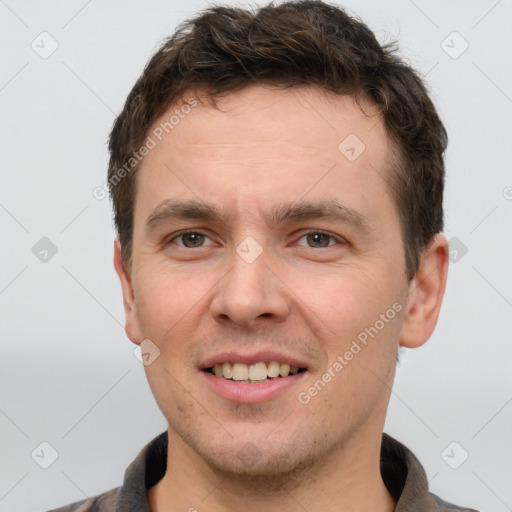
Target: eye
314, 240
189, 239
320, 239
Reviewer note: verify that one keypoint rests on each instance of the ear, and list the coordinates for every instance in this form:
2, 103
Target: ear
132, 327
426, 292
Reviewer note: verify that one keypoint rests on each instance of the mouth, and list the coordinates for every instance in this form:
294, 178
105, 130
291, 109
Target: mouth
257, 378
256, 373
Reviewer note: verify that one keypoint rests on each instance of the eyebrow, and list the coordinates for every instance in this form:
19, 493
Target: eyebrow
170, 210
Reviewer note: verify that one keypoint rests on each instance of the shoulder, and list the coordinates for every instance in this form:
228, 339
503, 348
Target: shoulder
406, 480
105, 502
444, 506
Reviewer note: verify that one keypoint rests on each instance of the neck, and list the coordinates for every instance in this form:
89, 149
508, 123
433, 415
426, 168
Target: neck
348, 479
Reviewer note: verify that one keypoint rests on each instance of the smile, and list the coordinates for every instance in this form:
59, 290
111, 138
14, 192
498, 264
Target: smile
253, 373
252, 383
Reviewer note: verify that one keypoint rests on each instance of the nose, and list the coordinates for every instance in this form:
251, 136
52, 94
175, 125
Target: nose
251, 294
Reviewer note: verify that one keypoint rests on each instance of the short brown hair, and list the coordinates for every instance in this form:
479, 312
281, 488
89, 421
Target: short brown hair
297, 43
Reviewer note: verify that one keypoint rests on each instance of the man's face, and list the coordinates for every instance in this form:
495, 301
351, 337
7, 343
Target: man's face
244, 288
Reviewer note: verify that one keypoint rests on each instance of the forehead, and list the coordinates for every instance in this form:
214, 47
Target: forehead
301, 116
264, 141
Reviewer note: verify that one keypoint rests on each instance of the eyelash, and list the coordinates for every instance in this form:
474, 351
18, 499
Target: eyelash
338, 239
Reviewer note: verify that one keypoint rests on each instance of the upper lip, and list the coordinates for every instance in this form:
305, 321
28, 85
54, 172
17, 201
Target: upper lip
252, 358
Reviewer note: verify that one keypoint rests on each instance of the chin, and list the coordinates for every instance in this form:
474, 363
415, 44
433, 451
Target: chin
266, 466
278, 461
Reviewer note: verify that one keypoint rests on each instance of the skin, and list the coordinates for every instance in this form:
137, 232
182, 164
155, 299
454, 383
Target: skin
267, 146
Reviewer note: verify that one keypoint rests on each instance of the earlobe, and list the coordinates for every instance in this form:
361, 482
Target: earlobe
426, 294
130, 310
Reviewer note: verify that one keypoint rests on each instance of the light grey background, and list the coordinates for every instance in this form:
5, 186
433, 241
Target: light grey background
68, 373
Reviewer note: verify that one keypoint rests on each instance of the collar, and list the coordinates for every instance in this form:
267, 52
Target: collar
401, 472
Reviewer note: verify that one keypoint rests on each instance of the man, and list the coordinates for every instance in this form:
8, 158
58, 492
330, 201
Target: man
277, 179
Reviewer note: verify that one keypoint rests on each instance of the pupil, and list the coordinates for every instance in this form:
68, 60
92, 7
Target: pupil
319, 238
194, 238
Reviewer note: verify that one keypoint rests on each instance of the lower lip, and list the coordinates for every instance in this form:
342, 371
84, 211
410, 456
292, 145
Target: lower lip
248, 393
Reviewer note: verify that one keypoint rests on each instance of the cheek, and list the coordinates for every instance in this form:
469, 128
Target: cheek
171, 392
169, 299
359, 344
345, 300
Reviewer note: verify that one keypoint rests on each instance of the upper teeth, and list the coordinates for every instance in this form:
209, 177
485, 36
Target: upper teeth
257, 371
